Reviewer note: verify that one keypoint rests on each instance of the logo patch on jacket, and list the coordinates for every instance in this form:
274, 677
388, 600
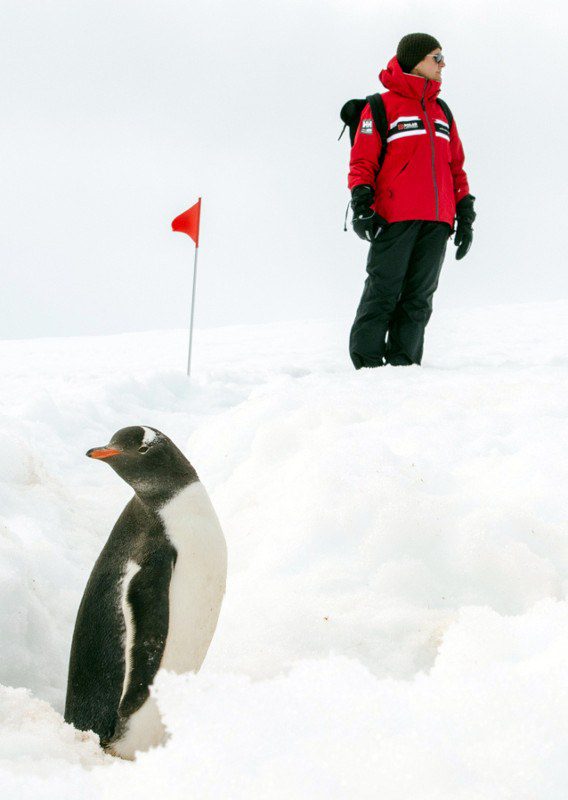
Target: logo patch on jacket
405, 126
367, 126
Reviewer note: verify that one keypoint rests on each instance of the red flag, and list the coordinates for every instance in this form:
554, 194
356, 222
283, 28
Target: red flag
188, 222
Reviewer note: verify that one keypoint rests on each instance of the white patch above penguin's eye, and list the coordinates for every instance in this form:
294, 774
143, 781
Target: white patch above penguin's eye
149, 435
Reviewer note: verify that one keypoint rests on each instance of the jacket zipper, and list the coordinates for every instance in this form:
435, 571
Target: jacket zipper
432, 150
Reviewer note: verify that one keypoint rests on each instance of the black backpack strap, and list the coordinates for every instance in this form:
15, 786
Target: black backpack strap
380, 118
446, 109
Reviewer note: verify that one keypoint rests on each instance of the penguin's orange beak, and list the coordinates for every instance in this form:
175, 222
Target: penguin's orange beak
103, 452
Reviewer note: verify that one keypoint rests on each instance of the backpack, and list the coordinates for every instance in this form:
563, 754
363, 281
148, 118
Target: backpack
351, 114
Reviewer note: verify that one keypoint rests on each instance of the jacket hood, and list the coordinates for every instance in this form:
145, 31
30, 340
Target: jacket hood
395, 80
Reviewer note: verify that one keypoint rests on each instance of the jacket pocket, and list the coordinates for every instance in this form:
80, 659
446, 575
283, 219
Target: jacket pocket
397, 175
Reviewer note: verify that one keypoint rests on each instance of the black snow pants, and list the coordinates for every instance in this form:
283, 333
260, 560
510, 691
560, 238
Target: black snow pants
403, 267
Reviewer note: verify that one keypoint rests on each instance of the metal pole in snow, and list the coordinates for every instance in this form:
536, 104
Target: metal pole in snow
192, 310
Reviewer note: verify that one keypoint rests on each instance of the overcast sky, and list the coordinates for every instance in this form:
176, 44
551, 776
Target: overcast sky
117, 114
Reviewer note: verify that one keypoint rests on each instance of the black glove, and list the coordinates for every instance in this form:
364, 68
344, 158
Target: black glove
464, 233
366, 223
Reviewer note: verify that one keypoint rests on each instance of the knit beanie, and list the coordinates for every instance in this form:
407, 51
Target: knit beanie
413, 47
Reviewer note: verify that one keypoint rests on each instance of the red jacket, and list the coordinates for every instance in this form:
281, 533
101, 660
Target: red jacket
422, 176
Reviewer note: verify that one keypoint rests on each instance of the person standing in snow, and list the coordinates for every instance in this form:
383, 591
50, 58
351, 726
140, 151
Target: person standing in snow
407, 210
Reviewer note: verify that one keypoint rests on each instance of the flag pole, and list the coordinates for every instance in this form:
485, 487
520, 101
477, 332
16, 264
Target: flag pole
188, 222
192, 310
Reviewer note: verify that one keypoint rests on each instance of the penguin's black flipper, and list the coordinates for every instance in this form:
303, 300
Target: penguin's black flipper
96, 666
148, 600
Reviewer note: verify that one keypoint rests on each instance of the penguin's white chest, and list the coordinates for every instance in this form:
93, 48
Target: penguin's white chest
198, 579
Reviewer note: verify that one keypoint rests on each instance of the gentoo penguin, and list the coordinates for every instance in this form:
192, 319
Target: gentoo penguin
153, 597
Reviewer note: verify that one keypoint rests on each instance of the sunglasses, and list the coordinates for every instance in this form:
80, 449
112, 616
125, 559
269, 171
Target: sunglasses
438, 57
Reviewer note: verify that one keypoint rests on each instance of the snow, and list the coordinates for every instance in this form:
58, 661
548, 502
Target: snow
396, 618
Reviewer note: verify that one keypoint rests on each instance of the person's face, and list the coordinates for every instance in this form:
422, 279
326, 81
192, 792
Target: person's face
428, 68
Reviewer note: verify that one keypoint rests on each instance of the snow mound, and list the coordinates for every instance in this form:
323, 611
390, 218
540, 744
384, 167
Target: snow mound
489, 720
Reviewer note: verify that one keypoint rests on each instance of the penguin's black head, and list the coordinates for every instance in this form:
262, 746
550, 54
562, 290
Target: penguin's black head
147, 460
